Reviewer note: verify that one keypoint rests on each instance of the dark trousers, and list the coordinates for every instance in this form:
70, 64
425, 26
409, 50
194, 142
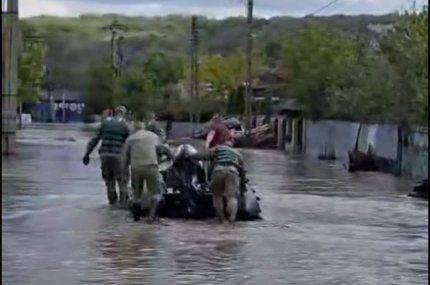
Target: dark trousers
112, 174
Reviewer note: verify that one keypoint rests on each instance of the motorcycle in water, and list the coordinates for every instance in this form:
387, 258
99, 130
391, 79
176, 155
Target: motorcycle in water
185, 192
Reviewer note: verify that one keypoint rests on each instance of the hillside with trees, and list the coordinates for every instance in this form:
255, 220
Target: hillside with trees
75, 44
336, 67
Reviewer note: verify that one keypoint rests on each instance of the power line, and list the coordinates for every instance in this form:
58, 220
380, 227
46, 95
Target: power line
338, 9
323, 7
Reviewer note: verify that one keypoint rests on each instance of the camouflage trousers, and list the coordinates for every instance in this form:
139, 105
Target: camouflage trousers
225, 183
150, 177
113, 174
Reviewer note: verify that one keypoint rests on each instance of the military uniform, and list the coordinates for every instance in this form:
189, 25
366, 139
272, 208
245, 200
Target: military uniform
140, 152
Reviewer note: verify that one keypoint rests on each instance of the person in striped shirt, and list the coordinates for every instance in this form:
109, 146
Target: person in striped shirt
112, 134
225, 177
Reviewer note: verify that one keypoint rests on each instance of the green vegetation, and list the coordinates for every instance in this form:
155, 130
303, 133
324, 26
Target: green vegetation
336, 75
30, 66
336, 66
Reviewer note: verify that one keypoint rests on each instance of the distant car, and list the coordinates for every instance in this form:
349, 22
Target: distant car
232, 123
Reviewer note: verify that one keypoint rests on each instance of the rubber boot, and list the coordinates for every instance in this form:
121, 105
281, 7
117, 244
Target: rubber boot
111, 192
153, 208
136, 211
123, 200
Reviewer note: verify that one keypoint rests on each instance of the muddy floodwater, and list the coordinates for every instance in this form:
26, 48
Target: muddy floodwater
322, 225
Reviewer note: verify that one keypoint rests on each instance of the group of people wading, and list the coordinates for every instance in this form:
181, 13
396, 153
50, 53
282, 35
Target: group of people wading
134, 152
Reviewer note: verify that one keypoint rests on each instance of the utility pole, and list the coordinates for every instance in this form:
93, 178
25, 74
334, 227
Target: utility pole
115, 41
194, 70
120, 54
116, 53
10, 46
191, 83
248, 84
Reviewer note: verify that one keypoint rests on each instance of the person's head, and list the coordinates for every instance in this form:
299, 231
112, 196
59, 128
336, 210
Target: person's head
216, 118
106, 113
120, 111
138, 126
150, 117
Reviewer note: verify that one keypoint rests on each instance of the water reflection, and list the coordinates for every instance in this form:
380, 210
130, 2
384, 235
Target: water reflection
322, 225
128, 253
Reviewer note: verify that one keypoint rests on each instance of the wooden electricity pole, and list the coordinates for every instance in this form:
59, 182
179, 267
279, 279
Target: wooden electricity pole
10, 50
116, 49
115, 40
194, 70
248, 84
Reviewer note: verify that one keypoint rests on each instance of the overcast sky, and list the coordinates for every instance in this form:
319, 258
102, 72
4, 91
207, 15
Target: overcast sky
211, 8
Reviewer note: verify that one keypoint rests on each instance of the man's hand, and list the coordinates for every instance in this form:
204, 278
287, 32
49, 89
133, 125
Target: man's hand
86, 159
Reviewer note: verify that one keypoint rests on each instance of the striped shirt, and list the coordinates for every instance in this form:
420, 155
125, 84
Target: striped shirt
224, 155
112, 133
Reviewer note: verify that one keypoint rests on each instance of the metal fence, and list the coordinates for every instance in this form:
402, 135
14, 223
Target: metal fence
405, 154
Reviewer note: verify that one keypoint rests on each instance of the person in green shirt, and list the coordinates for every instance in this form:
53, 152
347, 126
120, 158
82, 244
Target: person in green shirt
226, 176
113, 133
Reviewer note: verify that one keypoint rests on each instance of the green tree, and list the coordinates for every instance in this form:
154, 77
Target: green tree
76, 43
227, 74
30, 67
334, 75
407, 53
166, 69
140, 92
102, 89
316, 58
236, 100
148, 86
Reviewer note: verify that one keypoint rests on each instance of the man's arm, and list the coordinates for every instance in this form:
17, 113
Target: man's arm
210, 138
92, 145
204, 155
164, 150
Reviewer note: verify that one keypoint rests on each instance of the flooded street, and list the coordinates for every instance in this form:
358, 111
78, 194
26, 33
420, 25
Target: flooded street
322, 225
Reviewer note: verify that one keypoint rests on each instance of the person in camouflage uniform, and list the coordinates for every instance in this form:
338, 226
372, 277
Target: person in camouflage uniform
226, 174
112, 134
141, 152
